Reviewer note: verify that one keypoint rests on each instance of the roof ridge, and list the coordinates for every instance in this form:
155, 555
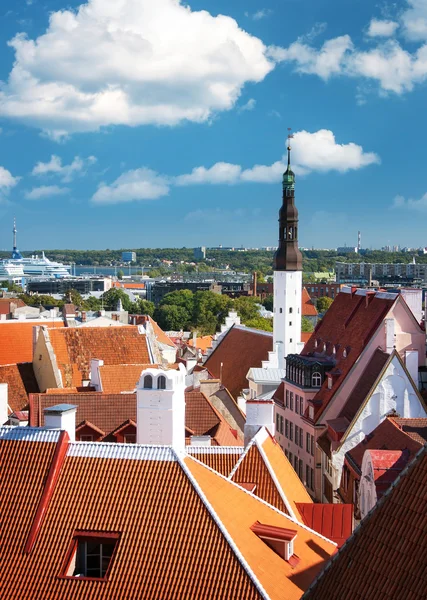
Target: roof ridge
219, 523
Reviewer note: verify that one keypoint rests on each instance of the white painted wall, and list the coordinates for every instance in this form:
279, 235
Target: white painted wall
161, 413
258, 414
367, 489
393, 392
3, 403
65, 420
287, 312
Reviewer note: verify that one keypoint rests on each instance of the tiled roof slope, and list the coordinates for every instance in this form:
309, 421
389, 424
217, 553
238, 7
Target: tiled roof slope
20, 381
387, 436
170, 546
334, 521
238, 511
109, 411
220, 459
121, 378
7, 303
415, 428
240, 349
387, 465
385, 559
160, 335
364, 385
75, 347
308, 308
348, 325
16, 341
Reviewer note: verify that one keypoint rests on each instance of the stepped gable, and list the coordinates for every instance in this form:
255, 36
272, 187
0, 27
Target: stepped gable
389, 435
20, 381
240, 349
385, 558
348, 325
141, 495
16, 340
75, 347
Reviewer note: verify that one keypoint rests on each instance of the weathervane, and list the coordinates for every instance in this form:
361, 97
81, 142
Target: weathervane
290, 136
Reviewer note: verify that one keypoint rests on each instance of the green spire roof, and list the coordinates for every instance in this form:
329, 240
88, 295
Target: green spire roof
289, 175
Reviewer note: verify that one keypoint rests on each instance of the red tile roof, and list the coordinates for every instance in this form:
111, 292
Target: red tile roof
365, 384
415, 428
239, 350
348, 325
110, 411
16, 340
75, 347
385, 558
308, 308
387, 436
387, 465
217, 458
170, 546
21, 382
334, 521
202, 343
9, 304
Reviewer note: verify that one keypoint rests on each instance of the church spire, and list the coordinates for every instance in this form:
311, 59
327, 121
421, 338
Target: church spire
288, 257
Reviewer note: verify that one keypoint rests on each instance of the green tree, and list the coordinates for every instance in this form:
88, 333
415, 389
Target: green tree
72, 296
111, 299
247, 308
209, 311
306, 325
92, 303
11, 287
142, 307
268, 302
171, 317
120, 274
323, 304
260, 323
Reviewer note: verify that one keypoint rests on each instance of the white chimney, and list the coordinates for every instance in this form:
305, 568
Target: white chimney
95, 375
61, 416
161, 408
259, 413
389, 335
4, 413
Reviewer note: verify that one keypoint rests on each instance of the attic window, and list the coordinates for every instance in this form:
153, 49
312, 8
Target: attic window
279, 539
90, 555
148, 382
161, 382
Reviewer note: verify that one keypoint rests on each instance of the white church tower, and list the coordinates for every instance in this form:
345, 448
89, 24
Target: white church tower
287, 274
161, 408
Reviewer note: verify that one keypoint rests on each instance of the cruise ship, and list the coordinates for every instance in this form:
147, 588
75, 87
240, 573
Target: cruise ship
34, 266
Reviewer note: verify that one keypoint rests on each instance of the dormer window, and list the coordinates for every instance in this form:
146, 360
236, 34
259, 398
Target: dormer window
90, 555
161, 382
316, 379
279, 539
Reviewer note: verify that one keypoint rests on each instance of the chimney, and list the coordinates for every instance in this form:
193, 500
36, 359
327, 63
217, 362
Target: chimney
200, 440
259, 413
61, 416
194, 339
160, 399
4, 413
95, 375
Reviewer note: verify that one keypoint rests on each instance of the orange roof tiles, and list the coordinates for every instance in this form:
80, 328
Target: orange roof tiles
160, 335
121, 378
75, 347
9, 304
240, 349
170, 546
239, 510
308, 308
128, 286
221, 460
202, 343
385, 558
21, 381
16, 340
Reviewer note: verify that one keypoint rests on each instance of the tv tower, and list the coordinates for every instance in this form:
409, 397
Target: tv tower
359, 241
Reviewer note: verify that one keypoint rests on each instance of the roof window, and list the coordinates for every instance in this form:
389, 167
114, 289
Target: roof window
90, 555
279, 539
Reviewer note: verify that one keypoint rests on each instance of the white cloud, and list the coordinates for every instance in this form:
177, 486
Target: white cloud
130, 62
139, 184
316, 151
419, 205
382, 28
262, 14
45, 191
392, 67
7, 180
66, 172
249, 105
414, 20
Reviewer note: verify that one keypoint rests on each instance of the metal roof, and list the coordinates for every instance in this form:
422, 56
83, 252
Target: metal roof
29, 434
267, 375
121, 451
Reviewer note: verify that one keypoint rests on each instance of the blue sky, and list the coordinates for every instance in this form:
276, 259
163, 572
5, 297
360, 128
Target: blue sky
131, 123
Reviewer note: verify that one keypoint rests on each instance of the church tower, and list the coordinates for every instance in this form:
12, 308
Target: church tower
287, 273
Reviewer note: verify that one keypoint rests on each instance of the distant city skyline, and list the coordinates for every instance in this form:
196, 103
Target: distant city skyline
151, 144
